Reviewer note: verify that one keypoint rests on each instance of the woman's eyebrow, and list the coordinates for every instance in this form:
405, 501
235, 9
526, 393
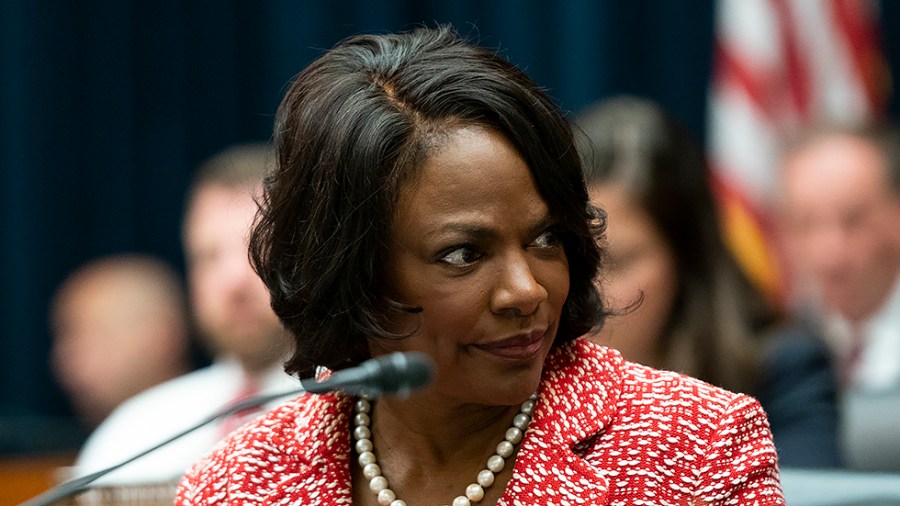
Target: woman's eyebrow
542, 224
486, 233
465, 229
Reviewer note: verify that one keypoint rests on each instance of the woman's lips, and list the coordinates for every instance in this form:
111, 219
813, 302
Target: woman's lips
520, 347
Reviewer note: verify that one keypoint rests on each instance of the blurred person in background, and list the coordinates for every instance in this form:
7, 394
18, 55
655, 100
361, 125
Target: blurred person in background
839, 209
120, 325
231, 309
685, 305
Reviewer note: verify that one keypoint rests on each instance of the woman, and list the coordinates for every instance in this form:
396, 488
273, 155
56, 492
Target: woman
428, 198
694, 310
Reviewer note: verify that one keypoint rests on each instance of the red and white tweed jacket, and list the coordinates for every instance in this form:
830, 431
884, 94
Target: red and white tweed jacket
604, 431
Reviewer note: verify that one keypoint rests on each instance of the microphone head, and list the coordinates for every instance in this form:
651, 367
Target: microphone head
395, 374
398, 373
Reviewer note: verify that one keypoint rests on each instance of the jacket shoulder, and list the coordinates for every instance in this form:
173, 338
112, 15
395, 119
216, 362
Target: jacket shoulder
287, 439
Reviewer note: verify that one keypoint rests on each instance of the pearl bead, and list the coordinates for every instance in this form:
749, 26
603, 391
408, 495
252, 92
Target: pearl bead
366, 458
504, 449
528, 407
378, 483
461, 501
362, 419
485, 478
363, 406
514, 435
475, 492
386, 497
495, 463
521, 421
371, 470
398, 502
362, 432
364, 445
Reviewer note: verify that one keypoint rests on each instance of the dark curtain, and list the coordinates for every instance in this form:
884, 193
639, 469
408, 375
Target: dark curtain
106, 107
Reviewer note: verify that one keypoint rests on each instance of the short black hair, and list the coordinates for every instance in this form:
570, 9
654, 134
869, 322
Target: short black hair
354, 126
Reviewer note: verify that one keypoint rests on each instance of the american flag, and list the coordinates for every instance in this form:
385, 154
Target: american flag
779, 65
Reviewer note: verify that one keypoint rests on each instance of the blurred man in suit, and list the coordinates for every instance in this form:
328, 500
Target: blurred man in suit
840, 205
231, 308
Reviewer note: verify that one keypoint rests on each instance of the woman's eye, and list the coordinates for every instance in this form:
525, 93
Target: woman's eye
548, 239
461, 256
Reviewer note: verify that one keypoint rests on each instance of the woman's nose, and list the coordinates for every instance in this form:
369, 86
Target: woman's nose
517, 292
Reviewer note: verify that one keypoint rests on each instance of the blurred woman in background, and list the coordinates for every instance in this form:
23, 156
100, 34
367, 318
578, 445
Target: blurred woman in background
685, 303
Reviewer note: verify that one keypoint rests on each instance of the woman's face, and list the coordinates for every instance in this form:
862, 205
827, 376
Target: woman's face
640, 260
472, 244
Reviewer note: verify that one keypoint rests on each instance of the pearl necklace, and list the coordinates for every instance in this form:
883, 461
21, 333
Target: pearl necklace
474, 492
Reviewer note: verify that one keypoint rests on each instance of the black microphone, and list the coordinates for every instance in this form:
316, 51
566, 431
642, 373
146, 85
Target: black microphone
397, 373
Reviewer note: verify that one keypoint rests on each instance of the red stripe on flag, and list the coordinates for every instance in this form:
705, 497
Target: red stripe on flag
860, 31
797, 74
731, 71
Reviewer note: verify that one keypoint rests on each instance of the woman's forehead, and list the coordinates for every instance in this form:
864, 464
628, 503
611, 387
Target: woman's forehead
475, 178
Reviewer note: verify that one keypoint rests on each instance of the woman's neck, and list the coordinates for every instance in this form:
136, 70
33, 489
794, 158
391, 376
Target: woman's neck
432, 450
438, 432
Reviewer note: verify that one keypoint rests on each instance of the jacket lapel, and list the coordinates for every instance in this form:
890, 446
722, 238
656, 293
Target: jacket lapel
577, 399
